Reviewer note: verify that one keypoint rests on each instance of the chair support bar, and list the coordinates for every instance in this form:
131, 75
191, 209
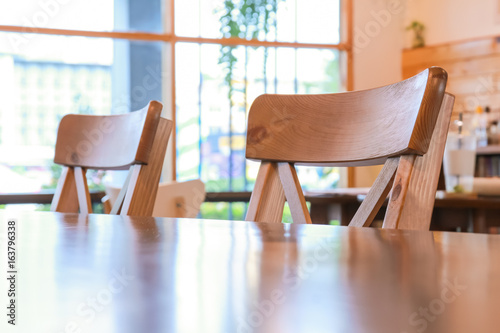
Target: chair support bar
377, 194
119, 200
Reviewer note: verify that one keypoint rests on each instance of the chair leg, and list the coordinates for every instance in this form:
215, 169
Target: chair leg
106, 204
129, 188
293, 193
65, 197
117, 206
268, 197
82, 190
399, 190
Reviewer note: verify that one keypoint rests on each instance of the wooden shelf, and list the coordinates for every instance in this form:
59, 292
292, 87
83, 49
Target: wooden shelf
488, 150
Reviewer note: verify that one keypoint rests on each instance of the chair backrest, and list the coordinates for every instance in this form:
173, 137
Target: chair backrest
394, 125
136, 141
180, 199
174, 199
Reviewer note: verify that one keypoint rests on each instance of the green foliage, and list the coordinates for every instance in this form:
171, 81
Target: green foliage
222, 185
287, 214
334, 222
94, 178
244, 19
96, 208
19, 169
458, 189
418, 30
56, 170
43, 208
416, 25
83, 104
220, 210
332, 72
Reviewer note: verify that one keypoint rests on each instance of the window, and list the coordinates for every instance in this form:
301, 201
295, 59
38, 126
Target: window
205, 59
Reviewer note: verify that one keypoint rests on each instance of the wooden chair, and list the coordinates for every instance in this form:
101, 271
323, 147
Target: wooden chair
136, 141
402, 126
174, 199
180, 199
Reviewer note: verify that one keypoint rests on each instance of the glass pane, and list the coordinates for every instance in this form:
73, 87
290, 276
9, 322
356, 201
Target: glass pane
187, 18
220, 18
308, 21
56, 75
188, 111
285, 21
215, 88
211, 12
94, 15
318, 21
286, 67
318, 71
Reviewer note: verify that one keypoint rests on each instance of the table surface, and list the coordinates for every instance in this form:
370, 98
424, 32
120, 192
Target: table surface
103, 273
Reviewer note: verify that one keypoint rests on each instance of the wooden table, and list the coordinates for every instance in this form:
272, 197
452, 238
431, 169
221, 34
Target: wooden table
118, 274
474, 214
471, 213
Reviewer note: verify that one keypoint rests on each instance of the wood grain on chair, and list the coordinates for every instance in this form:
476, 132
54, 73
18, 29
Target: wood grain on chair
136, 141
393, 125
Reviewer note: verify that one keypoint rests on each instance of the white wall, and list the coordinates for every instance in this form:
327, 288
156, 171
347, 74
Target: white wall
379, 37
452, 20
378, 41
